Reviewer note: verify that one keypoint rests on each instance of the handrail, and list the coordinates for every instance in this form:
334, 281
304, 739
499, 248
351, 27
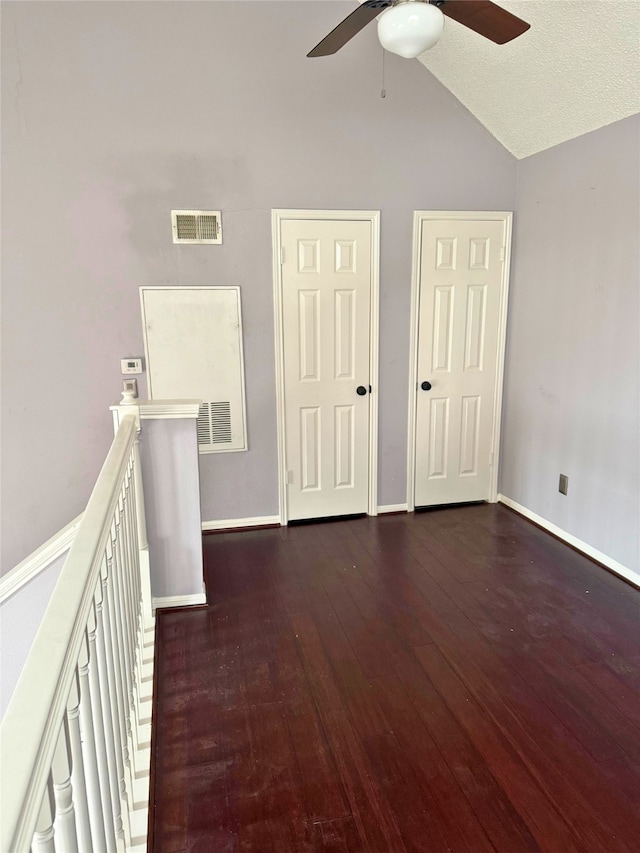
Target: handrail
31, 729
29, 568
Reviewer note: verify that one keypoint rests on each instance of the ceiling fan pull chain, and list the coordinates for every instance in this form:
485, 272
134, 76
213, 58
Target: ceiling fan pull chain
383, 91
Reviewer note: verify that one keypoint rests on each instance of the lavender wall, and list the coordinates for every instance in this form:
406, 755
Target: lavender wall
114, 113
169, 461
20, 618
572, 386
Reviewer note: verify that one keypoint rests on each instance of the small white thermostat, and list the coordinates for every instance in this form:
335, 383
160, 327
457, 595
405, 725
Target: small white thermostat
131, 365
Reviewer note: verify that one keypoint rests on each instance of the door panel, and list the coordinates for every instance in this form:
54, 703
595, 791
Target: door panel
326, 298
460, 283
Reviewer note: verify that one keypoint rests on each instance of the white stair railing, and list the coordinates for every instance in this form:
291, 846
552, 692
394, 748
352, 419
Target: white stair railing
75, 739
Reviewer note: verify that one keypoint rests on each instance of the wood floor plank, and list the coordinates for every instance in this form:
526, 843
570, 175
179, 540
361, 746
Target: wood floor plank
413, 804
372, 647
624, 773
374, 820
494, 811
540, 741
321, 786
429, 770
337, 836
543, 819
357, 697
454, 680
624, 697
210, 828
273, 803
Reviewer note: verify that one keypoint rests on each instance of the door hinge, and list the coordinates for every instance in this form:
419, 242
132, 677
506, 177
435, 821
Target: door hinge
503, 253
491, 460
281, 255
289, 477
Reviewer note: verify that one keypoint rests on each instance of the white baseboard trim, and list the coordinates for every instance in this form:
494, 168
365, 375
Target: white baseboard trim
178, 601
231, 523
42, 557
586, 549
392, 508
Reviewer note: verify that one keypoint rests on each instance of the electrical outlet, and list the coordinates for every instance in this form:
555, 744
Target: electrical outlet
563, 485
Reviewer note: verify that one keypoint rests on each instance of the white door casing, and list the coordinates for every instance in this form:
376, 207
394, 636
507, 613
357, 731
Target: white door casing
458, 334
325, 287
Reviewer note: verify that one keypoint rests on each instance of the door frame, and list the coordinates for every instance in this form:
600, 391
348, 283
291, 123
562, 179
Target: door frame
420, 216
372, 216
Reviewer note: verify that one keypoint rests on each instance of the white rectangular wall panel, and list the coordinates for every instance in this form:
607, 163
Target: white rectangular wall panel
193, 347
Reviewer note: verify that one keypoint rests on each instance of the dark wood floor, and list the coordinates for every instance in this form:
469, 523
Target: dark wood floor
447, 681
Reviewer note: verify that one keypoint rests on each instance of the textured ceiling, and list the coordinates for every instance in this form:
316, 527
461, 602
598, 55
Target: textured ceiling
575, 70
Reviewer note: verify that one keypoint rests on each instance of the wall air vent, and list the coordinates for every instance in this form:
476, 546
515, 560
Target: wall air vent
214, 426
196, 226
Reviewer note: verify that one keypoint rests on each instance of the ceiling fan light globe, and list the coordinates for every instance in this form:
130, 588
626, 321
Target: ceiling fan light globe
409, 29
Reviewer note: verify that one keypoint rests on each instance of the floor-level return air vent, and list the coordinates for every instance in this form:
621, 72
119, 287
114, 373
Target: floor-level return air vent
196, 226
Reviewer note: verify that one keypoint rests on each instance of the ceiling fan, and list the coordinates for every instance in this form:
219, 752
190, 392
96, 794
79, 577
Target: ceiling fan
409, 27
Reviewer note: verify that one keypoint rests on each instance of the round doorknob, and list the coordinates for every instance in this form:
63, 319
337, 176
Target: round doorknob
361, 390
426, 386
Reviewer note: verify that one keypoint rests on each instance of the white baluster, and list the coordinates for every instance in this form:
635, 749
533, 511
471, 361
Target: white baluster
126, 560
128, 611
65, 820
126, 782
106, 707
131, 564
43, 836
126, 575
122, 648
94, 800
132, 541
136, 614
78, 783
112, 680
144, 685
141, 530
99, 729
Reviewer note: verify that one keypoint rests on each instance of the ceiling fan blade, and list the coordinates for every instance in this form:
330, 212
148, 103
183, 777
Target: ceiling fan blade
486, 18
351, 25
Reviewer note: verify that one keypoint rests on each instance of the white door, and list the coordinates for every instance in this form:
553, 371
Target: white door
460, 292
326, 298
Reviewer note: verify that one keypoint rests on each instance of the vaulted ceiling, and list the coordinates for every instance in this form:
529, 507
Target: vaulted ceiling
575, 70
